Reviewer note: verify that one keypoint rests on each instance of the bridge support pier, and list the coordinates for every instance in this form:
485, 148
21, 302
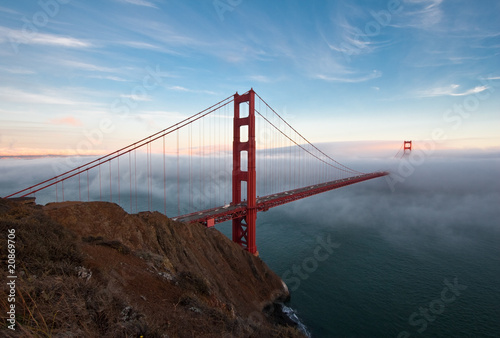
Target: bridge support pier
244, 227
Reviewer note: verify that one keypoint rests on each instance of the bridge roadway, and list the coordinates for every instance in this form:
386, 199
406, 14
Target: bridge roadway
210, 217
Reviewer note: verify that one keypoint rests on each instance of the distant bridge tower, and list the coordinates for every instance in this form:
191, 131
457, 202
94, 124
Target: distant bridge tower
406, 146
244, 227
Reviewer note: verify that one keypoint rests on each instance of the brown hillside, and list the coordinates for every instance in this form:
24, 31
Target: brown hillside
91, 269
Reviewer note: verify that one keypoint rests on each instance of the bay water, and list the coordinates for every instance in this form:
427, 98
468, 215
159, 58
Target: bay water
414, 254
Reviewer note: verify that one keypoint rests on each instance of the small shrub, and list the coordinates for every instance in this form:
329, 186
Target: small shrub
117, 245
191, 281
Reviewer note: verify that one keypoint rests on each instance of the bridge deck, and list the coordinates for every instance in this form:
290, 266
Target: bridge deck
221, 214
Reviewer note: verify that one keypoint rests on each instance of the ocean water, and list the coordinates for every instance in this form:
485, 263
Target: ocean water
422, 260
413, 255
371, 283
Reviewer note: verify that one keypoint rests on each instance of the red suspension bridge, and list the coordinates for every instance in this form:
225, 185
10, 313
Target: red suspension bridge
227, 162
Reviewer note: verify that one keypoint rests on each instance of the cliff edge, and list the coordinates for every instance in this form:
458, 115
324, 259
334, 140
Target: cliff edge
91, 269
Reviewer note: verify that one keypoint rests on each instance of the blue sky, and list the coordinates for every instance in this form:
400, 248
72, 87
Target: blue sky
339, 71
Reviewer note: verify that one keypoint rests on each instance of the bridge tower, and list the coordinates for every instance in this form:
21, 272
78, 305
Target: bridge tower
406, 146
244, 227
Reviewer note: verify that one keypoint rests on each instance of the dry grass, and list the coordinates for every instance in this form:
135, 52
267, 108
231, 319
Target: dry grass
50, 298
127, 295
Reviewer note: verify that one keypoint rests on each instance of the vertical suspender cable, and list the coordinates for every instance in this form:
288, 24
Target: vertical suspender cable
100, 182
290, 166
110, 191
118, 178
130, 178
164, 181
219, 198
147, 170
204, 195
178, 182
151, 173
200, 197
135, 178
190, 149
88, 187
212, 163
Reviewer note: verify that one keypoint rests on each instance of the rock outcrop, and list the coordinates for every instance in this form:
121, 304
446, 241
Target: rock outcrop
91, 269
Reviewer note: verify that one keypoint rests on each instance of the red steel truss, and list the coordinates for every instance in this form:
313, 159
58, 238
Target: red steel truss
240, 210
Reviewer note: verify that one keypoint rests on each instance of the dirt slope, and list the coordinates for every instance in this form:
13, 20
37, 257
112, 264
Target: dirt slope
91, 269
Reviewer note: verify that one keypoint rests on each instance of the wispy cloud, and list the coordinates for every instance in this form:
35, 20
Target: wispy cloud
346, 32
148, 46
137, 97
108, 77
179, 88
464, 59
163, 33
88, 66
184, 89
347, 39
15, 95
261, 78
156, 114
451, 90
352, 79
13, 36
8, 10
421, 14
355, 37
176, 36
140, 3
68, 121
139, 45
17, 70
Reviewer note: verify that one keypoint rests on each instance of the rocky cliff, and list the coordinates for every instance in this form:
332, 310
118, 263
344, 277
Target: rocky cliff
91, 269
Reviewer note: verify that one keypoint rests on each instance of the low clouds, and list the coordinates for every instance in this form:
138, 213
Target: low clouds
445, 196
449, 201
452, 199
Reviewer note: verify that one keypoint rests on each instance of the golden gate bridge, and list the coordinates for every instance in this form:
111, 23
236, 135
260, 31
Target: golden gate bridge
227, 162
